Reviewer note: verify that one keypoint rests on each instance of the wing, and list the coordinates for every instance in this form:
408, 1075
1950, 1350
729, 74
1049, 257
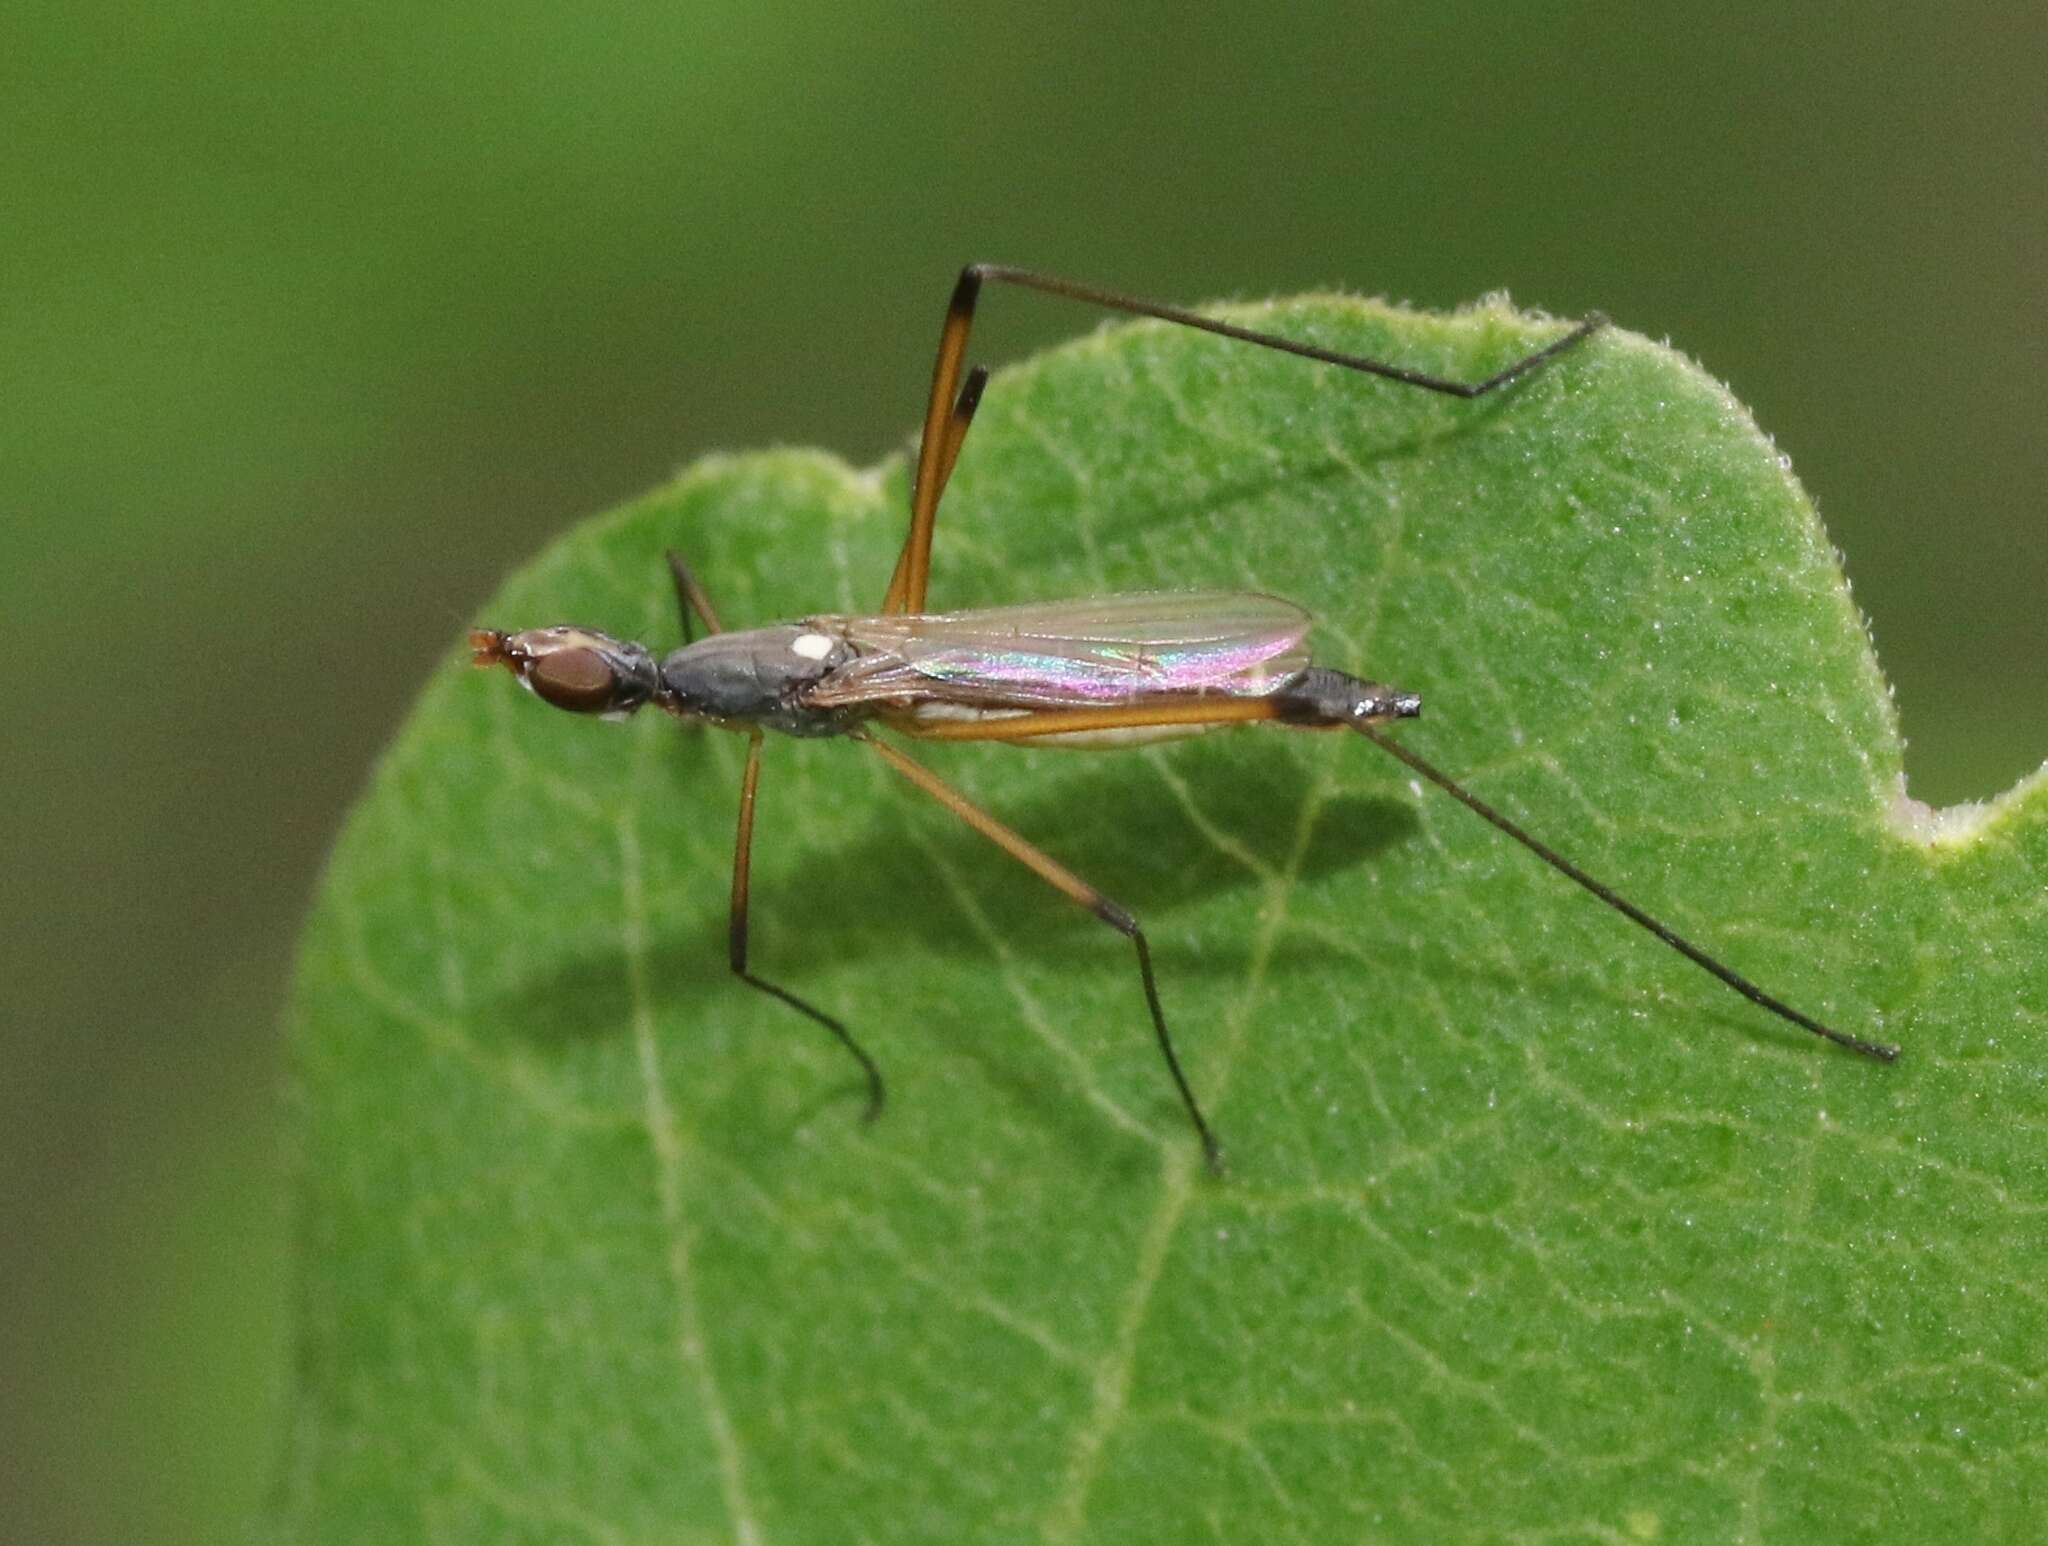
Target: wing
1102, 650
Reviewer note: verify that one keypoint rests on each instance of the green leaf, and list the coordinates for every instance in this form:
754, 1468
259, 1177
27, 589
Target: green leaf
1531, 1230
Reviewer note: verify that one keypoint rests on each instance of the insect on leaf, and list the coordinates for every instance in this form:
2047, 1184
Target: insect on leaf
1530, 1231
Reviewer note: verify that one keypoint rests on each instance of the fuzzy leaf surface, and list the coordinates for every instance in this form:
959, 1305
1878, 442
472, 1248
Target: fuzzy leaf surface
1531, 1231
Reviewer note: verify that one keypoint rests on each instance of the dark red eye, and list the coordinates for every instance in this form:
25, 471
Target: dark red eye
578, 680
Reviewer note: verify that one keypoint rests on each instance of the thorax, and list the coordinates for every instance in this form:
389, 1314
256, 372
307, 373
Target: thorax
760, 676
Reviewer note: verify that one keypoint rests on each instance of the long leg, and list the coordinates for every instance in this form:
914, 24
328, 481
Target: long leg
1036, 724
737, 936
1046, 723
1075, 889
956, 432
690, 596
956, 427
1884, 1052
913, 569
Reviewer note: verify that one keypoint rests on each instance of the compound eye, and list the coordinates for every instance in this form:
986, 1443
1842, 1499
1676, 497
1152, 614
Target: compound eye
579, 680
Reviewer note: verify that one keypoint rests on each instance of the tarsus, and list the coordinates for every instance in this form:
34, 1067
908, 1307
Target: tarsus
1882, 1051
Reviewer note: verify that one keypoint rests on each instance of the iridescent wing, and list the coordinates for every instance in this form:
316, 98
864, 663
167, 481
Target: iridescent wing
1097, 651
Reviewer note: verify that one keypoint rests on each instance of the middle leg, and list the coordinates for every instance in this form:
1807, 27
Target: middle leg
1075, 889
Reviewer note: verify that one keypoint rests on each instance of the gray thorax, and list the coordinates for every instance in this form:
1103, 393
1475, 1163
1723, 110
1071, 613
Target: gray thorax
759, 676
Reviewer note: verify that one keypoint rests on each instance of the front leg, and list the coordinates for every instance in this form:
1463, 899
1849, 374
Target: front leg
736, 937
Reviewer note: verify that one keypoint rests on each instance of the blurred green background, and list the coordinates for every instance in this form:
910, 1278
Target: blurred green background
314, 320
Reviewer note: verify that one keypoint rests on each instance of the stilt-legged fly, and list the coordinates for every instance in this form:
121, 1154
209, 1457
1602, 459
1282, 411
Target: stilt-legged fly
1107, 671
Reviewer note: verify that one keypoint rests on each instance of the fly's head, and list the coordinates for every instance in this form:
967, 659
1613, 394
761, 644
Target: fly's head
578, 669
